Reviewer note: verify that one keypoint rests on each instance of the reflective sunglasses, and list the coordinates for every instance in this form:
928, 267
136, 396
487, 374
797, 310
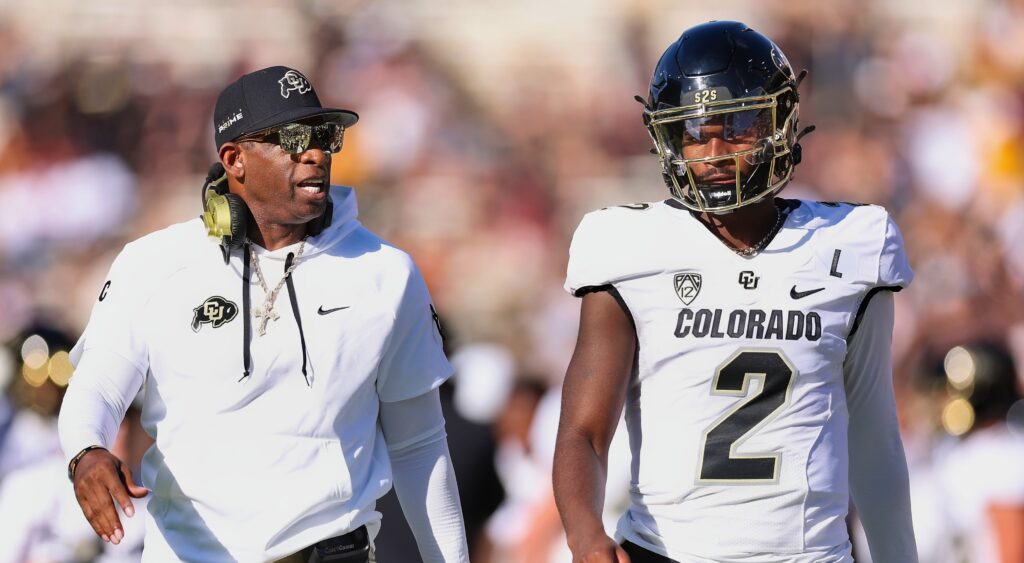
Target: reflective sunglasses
295, 138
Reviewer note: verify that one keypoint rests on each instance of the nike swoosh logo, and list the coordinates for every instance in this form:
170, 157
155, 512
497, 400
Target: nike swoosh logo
801, 294
323, 311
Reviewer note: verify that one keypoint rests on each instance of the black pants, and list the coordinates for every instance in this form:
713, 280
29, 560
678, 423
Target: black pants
638, 554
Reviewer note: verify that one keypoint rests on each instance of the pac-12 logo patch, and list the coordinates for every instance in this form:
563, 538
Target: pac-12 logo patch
216, 311
687, 286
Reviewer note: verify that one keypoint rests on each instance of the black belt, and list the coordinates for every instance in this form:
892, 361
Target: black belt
353, 547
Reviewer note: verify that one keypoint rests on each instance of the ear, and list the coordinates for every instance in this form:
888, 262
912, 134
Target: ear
233, 159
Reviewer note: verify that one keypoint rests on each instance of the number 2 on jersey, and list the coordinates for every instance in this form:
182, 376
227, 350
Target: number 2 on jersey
719, 462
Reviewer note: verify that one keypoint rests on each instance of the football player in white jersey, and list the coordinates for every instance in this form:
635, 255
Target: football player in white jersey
746, 336
982, 476
278, 420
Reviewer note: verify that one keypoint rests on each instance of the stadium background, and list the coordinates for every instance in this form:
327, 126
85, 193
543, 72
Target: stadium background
487, 129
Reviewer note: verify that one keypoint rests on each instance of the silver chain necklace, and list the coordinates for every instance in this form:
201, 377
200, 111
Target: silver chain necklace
757, 247
266, 313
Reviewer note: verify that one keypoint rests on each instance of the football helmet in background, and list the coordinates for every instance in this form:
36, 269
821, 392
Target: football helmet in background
982, 379
723, 110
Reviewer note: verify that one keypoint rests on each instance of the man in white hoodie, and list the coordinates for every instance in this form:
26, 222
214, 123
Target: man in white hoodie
278, 421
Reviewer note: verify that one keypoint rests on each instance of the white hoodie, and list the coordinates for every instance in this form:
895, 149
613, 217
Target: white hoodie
256, 467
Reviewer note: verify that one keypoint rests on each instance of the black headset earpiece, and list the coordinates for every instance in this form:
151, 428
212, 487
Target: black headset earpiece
225, 215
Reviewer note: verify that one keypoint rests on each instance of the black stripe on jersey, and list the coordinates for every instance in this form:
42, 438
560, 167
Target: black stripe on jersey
673, 203
864, 305
589, 289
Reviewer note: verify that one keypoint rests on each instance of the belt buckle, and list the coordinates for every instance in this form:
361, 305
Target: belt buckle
353, 547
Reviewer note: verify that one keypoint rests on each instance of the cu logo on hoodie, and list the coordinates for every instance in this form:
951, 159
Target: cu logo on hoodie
216, 311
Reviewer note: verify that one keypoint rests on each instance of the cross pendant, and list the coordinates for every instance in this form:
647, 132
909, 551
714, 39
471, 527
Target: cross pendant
265, 314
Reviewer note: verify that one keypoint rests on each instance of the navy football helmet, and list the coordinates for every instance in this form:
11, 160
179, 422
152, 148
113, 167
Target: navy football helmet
723, 111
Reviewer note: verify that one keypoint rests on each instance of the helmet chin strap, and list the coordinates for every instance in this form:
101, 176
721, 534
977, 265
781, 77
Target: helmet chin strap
800, 78
798, 150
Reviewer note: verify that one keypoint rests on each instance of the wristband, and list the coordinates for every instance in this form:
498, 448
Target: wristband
73, 465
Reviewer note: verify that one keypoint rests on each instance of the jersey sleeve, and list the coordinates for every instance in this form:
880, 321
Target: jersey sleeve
413, 361
893, 266
584, 268
599, 253
111, 360
614, 244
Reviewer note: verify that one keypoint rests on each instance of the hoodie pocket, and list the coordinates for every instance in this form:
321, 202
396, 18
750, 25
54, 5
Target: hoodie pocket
267, 477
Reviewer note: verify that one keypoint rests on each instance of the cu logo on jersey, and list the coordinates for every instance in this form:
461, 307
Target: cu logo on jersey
687, 286
293, 81
748, 280
216, 311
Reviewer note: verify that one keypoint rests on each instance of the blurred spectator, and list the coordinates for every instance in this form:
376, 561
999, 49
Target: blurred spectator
524, 477
982, 477
45, 522
37, 370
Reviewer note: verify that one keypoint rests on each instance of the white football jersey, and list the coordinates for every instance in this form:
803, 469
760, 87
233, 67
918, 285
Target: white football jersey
982, 471
737, 413
256, 467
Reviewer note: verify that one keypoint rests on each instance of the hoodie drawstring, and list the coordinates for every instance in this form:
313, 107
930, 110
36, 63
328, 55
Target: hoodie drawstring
246, 321
295, 311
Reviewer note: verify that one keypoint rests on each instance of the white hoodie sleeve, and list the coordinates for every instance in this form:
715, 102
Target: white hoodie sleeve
424, 476
111, 359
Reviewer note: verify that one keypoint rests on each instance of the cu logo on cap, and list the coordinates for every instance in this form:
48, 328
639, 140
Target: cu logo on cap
293, 81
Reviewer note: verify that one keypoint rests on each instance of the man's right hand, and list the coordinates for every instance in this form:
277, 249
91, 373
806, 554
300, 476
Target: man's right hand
599, 550
100, 480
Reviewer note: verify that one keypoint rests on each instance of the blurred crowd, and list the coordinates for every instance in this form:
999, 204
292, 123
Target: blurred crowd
486, 131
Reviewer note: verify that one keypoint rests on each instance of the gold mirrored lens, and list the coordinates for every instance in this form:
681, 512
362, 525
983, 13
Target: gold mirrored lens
294, 137
330, 136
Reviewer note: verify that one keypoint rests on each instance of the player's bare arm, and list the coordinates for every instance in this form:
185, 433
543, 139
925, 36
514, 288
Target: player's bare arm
592, 398
100, 480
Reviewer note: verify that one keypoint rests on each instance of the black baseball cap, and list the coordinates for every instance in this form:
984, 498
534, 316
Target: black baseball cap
268, 97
